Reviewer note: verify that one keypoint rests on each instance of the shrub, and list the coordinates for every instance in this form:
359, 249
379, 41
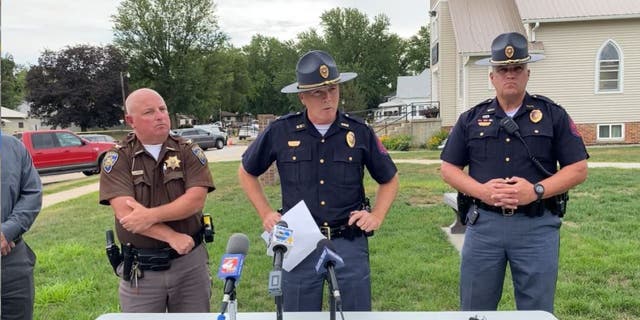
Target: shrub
436, 139
400, 142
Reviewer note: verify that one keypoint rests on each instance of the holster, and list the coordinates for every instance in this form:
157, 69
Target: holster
127, 261
561, 204
464, 204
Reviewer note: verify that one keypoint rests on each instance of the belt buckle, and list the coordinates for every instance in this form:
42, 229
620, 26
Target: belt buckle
508, 212
327, 229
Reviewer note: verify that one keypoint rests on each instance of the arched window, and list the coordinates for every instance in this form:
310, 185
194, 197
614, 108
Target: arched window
609, 68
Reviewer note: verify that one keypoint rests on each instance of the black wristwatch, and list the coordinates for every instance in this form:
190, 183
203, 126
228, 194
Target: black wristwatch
539, 190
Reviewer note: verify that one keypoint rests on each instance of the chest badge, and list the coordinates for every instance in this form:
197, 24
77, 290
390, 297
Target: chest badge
351, 139
172, 162
293, 143
535, 115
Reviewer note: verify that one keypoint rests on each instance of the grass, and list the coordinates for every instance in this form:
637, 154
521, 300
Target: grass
414, 268
597, 153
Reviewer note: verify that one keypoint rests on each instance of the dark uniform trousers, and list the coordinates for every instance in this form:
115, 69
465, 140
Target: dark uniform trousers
178, 289
17, 283
302, 288
530, 244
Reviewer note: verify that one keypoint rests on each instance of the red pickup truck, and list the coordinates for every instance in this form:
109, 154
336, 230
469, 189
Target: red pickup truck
61, 151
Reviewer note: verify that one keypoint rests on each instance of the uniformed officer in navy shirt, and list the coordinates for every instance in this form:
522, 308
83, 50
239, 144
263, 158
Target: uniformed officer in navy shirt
516, 202
321, 154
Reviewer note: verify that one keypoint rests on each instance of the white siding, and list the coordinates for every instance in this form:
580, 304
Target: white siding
446, 67
567, 75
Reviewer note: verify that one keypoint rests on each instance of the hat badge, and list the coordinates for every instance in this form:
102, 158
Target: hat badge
508, 51
324, 71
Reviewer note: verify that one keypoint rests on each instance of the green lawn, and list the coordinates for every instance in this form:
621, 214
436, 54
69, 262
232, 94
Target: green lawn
598, 154
413, 265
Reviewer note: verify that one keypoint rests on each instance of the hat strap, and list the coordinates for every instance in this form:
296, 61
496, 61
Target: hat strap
511, 61
325, 83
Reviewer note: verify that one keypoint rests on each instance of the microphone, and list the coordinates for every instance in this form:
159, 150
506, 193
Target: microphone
329, 260
280, 242
231, 266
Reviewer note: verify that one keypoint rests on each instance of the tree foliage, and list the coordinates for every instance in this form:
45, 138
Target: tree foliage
12, 83
417, 54
170, 45
272, 64
78, 85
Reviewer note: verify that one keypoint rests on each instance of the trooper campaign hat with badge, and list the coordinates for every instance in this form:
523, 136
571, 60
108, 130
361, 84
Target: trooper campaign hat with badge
316, 69
509, 48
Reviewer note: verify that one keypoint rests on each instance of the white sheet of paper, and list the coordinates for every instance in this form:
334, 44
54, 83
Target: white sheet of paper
306, 235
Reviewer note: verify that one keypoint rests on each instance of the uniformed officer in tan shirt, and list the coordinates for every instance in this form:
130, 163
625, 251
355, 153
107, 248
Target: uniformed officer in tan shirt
157, 186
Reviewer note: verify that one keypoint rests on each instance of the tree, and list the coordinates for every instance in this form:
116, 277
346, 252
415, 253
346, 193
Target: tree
169, 44
78, 85
272, 64
12, 83
417, 52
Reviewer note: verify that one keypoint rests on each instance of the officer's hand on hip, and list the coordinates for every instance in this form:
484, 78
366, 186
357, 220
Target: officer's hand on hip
181, 243
365, 220
270, 219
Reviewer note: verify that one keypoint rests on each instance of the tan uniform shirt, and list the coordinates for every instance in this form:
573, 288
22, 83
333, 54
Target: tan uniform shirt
129, 170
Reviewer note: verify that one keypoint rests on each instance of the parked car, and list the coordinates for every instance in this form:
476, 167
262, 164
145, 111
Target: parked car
213, 128
205, 139
98, 138
248, 132
62, 151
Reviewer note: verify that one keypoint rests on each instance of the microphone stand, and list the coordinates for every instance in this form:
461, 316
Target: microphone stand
233, 306
332, 301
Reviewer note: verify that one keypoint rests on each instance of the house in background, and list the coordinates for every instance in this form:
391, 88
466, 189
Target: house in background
12, 120
412, 100
592, 64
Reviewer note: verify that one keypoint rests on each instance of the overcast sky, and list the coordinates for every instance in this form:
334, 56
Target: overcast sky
29, 26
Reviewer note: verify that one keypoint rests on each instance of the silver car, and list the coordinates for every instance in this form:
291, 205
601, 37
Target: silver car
205, 139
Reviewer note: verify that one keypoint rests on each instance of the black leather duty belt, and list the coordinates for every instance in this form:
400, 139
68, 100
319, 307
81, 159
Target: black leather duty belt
529, 210
158, 259
341, 229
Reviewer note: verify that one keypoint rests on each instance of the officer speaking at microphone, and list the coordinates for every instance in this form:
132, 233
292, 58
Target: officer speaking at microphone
321, 154
157, 185
514, 195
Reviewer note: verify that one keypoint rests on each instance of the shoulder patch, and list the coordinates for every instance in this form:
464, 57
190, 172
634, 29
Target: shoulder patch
109, 161
199, 154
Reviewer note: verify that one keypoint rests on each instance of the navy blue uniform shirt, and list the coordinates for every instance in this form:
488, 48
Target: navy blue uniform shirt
478, 141
326, 172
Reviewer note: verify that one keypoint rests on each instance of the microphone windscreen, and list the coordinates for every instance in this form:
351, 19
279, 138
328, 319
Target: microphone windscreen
238, 243
282, 223
325, 243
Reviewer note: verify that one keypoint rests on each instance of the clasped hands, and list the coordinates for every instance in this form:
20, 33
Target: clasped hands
508, 193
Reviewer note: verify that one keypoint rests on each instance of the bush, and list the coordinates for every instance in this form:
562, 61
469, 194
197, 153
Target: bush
435, 140
400, 142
